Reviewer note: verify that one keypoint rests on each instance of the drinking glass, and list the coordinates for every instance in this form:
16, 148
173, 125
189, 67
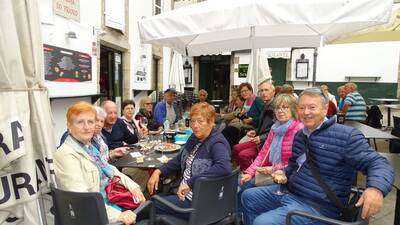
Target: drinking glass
278, 167
144, 122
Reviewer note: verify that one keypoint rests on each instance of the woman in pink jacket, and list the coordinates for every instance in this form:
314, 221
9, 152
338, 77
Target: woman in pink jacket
277, 149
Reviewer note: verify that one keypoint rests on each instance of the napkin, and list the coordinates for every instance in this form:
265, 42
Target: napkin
135, 154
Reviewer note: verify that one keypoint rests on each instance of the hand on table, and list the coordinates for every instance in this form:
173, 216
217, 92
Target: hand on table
118, 152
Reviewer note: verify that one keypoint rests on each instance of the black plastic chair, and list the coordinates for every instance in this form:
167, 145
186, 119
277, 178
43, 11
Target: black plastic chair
87, 208
394, 145
327, 220
214, 202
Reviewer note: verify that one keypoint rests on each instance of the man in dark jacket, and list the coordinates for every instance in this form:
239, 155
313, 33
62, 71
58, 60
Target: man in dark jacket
115, 130
338, 152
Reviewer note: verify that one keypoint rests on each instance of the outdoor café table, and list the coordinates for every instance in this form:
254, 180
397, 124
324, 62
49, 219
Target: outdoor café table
394, 160
370, 132
386, 101
389, 107
129, 161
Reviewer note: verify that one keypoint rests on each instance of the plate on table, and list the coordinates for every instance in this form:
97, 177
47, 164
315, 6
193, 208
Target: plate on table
167, 147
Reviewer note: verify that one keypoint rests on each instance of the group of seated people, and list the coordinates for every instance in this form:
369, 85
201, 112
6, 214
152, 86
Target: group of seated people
283, 134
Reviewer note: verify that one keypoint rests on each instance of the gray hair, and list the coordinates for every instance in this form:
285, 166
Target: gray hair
100, 111
316, 92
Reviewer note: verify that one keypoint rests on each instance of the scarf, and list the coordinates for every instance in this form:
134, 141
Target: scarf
249, 102
275, 149
130, 125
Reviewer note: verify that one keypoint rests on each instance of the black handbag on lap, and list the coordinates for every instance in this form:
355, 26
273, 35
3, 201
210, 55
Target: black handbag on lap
350, 213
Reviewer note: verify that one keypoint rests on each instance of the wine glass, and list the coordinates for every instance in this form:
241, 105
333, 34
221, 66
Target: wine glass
277, 169
143, 122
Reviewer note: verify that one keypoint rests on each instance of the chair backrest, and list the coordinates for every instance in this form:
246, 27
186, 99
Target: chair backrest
374, 116
78, 208
396, 122
214, 198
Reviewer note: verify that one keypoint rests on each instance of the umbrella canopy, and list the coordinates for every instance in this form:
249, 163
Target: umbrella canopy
258, 68
212, 27
25, 118
176, 78
386, 32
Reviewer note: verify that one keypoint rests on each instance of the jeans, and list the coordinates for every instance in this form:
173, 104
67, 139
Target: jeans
242, 188
261, 206
162, 209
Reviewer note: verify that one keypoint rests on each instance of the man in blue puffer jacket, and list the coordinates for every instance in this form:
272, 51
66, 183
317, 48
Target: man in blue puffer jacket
339, 152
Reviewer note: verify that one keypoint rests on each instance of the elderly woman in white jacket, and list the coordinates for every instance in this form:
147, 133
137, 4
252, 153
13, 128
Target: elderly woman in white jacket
80, 167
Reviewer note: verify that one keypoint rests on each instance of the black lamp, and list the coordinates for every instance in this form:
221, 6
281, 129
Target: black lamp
187, 70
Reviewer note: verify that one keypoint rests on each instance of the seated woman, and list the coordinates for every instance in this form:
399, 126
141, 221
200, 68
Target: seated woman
248, 118
146, 110
206, 154
98, 138
128, 110
80, 167
277, 149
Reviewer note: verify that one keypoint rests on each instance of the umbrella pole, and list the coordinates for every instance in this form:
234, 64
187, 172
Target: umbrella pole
314, 77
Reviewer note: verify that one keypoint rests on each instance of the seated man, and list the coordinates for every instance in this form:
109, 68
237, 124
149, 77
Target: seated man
339, 152
166, 109
115, 130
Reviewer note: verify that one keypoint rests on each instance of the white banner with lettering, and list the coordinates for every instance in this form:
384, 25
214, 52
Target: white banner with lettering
26, 131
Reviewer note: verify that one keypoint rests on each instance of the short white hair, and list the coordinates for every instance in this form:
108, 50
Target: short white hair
100, 112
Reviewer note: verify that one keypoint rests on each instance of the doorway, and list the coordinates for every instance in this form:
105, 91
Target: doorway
214, 76
110, 74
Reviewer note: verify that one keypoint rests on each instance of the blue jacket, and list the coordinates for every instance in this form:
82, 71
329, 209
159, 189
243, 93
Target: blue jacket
212, 158
339, 151
160, 112
119, 134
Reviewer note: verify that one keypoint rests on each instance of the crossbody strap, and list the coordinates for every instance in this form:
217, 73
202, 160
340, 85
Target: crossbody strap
315, 172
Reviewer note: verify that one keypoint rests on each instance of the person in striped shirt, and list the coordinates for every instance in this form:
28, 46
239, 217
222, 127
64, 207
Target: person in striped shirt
354, 104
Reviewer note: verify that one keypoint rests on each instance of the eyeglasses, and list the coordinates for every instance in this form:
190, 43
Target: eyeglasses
282, 109
244, 90
148, 103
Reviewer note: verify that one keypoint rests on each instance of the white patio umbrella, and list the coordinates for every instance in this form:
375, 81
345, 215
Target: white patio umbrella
25, 118
258, 68
213, 27
176, 77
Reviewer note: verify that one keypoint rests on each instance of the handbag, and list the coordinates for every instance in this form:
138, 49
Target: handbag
350, 213
120, 195
263, 179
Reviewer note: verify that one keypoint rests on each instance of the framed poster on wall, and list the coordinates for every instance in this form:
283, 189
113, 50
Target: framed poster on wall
243, 70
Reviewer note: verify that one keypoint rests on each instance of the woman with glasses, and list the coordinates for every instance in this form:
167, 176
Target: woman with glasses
80, 166
277, 149
146, 110
205, 154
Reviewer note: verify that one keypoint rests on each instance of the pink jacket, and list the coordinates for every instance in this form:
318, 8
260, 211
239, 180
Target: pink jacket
287, 143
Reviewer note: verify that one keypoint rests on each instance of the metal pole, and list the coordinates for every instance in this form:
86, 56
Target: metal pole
315, 67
